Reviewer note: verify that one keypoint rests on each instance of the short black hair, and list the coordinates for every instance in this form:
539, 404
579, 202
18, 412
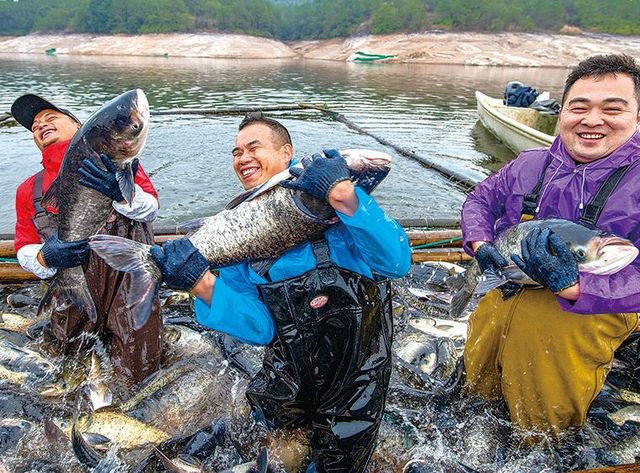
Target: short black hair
277, 128
602, 65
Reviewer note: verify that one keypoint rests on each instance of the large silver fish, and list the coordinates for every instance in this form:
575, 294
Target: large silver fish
260, 223
595, 251
119, 130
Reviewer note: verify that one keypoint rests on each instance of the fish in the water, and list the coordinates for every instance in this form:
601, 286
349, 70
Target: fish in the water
260, 223
119, 130
628, 413
186, 454
15, 322
24, 360
121, 429
595, 251
440, 327
432, 355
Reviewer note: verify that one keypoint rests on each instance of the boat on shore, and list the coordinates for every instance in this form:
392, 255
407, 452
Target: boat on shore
518, 128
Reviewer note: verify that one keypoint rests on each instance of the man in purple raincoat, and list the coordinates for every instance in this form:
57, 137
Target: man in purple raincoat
546, 352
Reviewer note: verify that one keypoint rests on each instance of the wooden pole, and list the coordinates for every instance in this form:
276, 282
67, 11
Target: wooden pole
450, 255
423, 237
12, 272
416, 237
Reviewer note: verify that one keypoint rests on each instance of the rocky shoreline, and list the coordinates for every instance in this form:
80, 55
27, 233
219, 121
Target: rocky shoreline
477, 49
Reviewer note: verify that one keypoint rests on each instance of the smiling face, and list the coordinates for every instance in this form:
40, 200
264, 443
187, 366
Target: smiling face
259, 155
598, 116
51, 126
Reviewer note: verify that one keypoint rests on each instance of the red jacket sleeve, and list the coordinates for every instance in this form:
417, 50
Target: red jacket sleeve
145, 183
25, 232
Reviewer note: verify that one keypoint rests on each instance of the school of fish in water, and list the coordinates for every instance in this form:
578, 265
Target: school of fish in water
72, 415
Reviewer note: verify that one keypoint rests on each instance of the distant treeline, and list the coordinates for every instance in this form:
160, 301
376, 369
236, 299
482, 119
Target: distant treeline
297, 19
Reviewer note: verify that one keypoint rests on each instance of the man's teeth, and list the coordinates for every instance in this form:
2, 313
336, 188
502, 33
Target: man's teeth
248, 172
591, 136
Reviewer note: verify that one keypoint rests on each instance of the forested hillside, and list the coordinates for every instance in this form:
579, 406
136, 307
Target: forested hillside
298, 19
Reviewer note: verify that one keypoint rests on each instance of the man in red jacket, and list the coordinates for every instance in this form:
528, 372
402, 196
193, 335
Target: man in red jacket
134, 353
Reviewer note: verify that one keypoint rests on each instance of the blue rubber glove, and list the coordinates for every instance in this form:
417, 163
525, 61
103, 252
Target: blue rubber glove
181, 264
547, 260
488, 257
104, 181
64, 254
321, 175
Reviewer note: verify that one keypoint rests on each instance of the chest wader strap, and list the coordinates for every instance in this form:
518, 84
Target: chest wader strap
262, 267
37, 193
323, 262
592, 211
324, 265
530, 202
44, 222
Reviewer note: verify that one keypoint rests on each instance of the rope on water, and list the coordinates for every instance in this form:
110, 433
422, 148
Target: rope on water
239, 110
464, 181
5, 117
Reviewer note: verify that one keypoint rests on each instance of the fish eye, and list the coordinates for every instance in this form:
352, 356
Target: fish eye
120, 107
581, 254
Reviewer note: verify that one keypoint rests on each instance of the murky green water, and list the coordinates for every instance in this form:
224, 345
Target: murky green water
429, 109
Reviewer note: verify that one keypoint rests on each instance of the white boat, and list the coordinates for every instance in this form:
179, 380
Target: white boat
518, 128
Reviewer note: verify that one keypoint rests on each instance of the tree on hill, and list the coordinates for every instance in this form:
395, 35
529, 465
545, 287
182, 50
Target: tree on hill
312, 19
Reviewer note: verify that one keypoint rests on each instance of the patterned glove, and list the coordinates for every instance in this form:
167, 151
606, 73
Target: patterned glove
64, 254
181, 264
104, 181
547, 260
321, 175
488, 257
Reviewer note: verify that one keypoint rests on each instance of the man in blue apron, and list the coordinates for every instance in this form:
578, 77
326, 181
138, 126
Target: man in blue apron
322, 308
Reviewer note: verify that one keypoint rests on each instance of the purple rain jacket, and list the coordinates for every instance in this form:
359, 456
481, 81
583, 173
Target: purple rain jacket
496, 204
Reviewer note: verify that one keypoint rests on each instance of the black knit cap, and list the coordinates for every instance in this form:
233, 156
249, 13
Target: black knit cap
25, 109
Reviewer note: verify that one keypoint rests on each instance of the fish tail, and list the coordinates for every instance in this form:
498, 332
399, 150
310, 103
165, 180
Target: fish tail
462, 295
84, 452
69, 287
131, 257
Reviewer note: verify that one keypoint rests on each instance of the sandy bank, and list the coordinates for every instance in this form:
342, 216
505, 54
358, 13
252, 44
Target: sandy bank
174, 44
479, 49
506, 49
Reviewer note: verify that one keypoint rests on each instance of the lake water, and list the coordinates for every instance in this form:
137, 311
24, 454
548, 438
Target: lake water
429, 109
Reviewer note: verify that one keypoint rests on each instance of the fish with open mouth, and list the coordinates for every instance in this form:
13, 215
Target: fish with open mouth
595, 251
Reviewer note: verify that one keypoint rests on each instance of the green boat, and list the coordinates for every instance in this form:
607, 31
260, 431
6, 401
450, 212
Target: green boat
361, 56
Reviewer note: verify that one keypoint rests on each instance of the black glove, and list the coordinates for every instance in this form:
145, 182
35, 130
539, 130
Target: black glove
321, 175
488, 257
64, 254
547, 260
180, 263
103, 181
